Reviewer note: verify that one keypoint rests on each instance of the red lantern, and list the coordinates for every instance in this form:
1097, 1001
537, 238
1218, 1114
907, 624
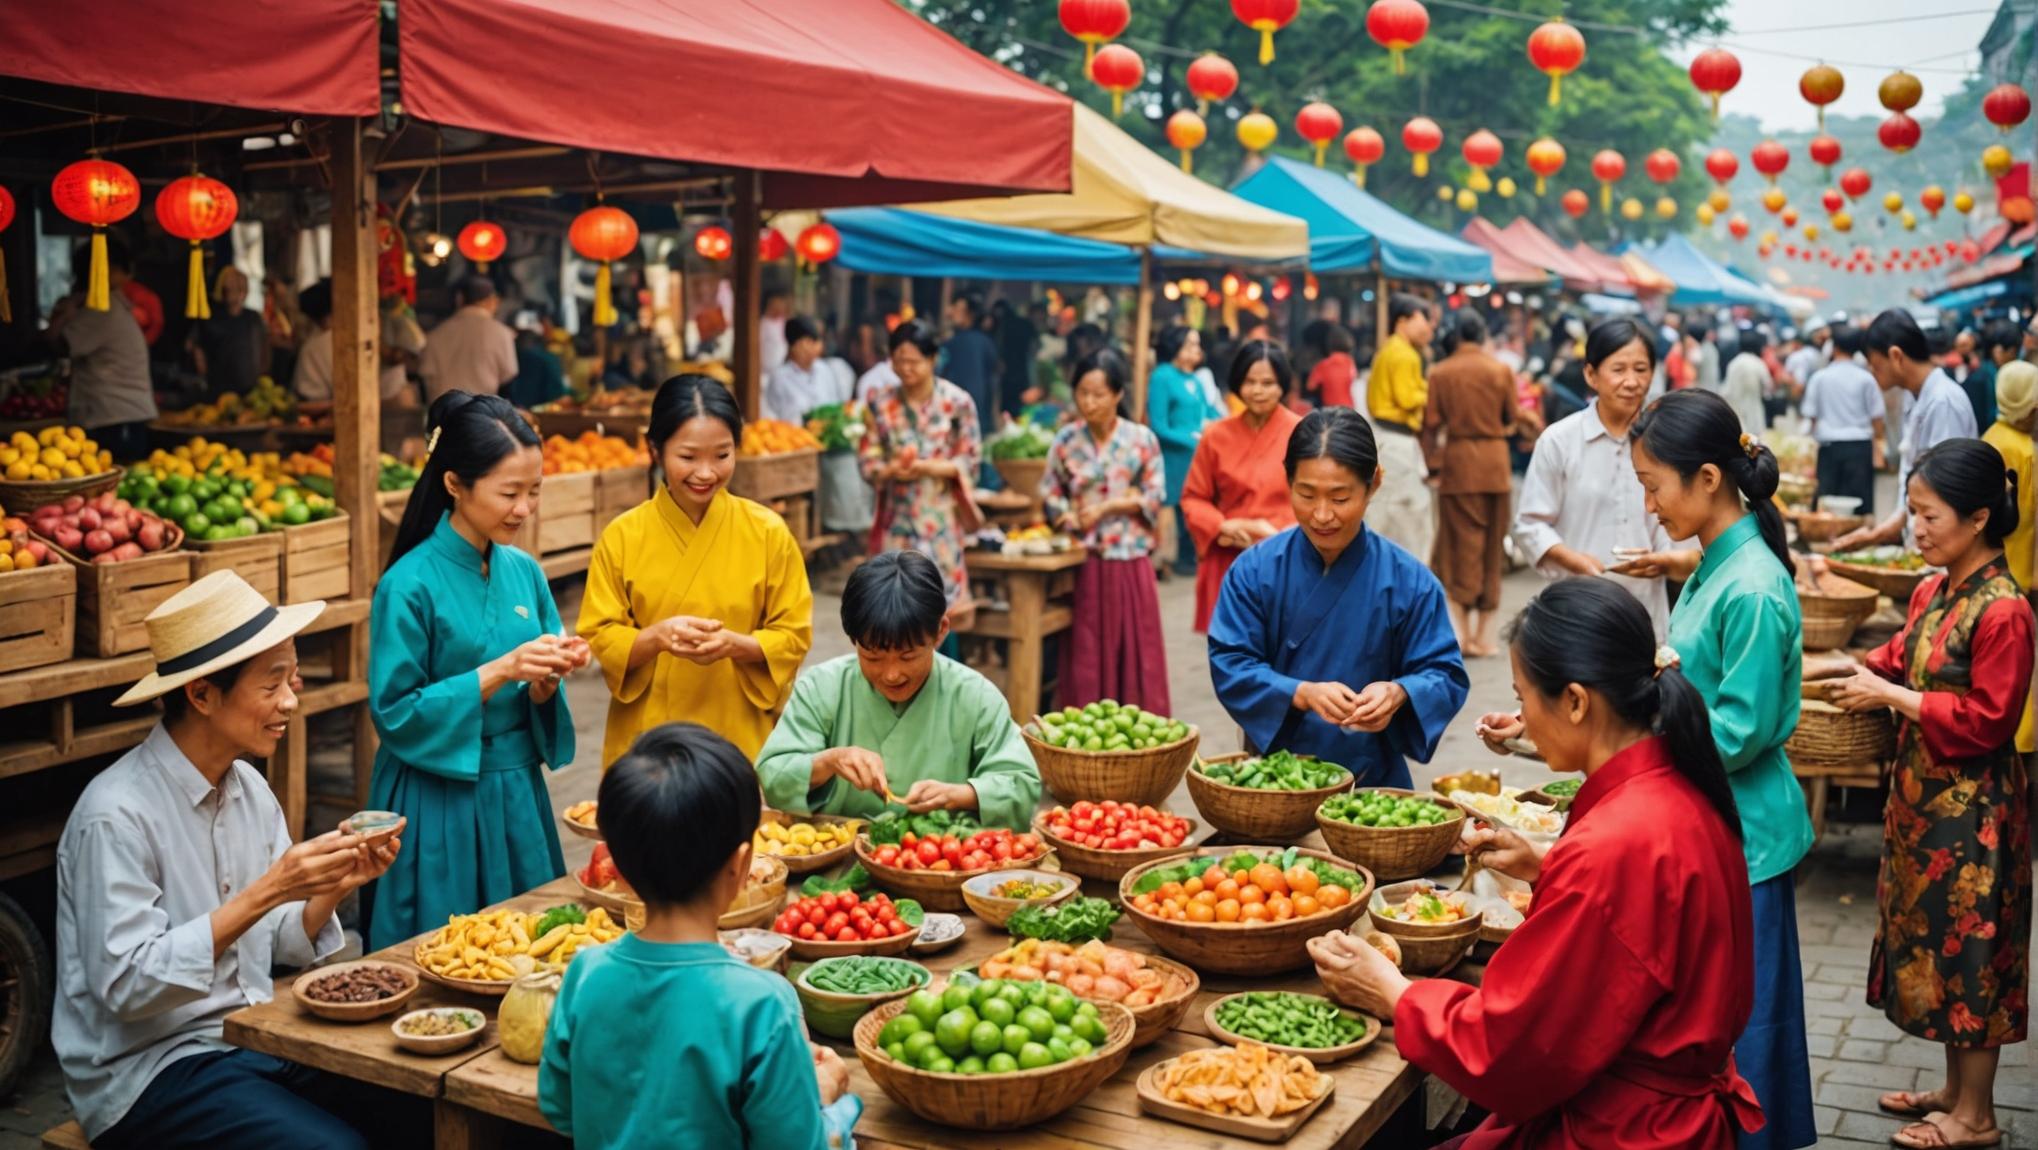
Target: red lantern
1265, 17
1608, 167
1770, 158
1319, 123
1855, 182
1789, 216
6, 217
1481, 150
1118, 70
772, 245
1933, 198
1831, 201
1715, 71
603, 234
1820, 85
1211, 79
1825, 151
2006, 106
482, 242
714, 242
1422, 136
1576, 203
1186, 132
1545, 157
1397, 25
1737, 227
1662, 165
1556, 49
1899, 133
1365, 147
96, 193
819, 243
1721, 164
196, 208
1900, 91
1094, 22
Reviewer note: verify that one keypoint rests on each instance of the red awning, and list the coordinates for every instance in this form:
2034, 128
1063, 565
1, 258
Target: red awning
1535, 245
838, 101
1613, 275
1508, 268
315, 57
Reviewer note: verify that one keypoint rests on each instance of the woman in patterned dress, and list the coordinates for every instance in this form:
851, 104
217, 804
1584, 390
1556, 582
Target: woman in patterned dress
921, 445
1951, 958
1106, 485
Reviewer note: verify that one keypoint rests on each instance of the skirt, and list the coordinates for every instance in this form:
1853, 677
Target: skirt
1402, 508
1771, 1053
1114, 648
1471, 535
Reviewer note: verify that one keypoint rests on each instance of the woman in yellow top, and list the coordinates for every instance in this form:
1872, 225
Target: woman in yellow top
2010, 435
1396, 397
697, 604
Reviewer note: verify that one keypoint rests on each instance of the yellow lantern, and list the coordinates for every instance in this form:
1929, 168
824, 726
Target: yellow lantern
1774, 199
1719, 200
1446, 194
1996, 161
1479, 181
1910, 221
1468, 200
1963, 202
1811, 231
1505, 187
1666, 208
1893, 202
1769, 238
1843, 221
1631, 209
1706, 215
1256, 131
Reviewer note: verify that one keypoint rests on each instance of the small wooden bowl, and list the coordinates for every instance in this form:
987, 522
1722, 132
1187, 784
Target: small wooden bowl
616, 904
769, 955
812, 950
1426, 948
353, 1011
1235, 947
1890, 581
807, 864
439, 1043
584, 830
1155, 1019
488, 987
993, 1101
994, 910
939, 931
1110, 866
835, 1014
1393, 853
1255, 814
933, 890
759, 902
1322, 1056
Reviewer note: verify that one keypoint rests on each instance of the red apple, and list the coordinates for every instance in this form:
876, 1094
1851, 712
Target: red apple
117, 528
69, 538
73, 502
150, 535
128, 550
98, 540
90, 519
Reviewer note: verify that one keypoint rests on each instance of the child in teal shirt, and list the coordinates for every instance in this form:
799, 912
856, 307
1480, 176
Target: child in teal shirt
662, 1038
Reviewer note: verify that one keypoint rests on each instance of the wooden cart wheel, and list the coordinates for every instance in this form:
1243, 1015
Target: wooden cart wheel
27, 980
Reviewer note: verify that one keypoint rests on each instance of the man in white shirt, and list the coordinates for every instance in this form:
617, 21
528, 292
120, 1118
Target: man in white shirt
470, 350
1845, 408
1900, 357
1801, 364
804, 381
312, 379
178, 889
1747, 381
112, 397
773, 343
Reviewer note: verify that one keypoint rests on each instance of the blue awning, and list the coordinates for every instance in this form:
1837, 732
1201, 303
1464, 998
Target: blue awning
894, 241
1968, 296
1702, 280
1349, 230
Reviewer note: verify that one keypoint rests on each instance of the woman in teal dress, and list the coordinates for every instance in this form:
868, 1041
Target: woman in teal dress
464, 663
1179, 408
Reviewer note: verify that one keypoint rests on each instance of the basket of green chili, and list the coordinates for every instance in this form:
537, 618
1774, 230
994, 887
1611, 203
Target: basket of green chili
835, 992
1264, 798
1306, 1024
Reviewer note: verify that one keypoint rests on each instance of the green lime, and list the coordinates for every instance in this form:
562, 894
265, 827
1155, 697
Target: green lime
181, 505
1090, 1028
956, 996
296, 514
986, 1038
1059, 1047
1001, 1063
1039, 1023
1061, 1005
896, 1051
196, 524
916, 1047
1089, 1008
984, 992
1016, 1036
219, 533
939, 1064
1079, 1046
899, 1029
176, 484
1063, 1031
999, 1011
953, 1031
1033, 1056
925, 1007
970, 1065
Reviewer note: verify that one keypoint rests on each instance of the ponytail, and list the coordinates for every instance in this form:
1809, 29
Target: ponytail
469, 434
1691, 428
1589, 632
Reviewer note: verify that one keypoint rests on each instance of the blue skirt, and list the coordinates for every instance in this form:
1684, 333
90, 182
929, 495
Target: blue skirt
1771, 1052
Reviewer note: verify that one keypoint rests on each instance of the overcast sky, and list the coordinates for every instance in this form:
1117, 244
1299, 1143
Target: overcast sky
1938, 49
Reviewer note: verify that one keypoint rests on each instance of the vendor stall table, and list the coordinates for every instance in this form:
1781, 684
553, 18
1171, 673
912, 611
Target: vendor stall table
1034, 590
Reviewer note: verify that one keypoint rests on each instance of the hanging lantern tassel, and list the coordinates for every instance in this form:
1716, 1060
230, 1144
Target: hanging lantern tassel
196, 305
6, 309
1421, 164
1266, 43
604, 305
97, 295
1606, 198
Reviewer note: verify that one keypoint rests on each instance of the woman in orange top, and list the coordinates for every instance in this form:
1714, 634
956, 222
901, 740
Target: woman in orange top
1237, 493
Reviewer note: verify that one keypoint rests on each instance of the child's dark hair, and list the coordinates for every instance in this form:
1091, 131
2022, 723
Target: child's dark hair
471, 434
1589, 632
1969, 474
687, 397
1691, 428
895, 600
673, 809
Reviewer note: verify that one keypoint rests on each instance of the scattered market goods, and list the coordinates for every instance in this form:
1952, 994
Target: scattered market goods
395, 474
1107, 726
600, 874
53, 453
1509, 810
1888, 557
1247, 1080
800, 839
1478, 782
18, 550
1562, 788
1117, 826
38, 397
355, 991
440, 1022
1280, 771
938, 932
892, 826
1386, 809
763, 949
591, 452
1245, 888
1022, 888
501, 945
1077, 921
602, 401
103, 529
267, 402
203, 485
1430, 906
958, 1032
580, 818
989, 847
363, 983
846, 917
526, 1009
839, 426
1092, 970
1295, 1021
775, 437
1022, 440
855, 878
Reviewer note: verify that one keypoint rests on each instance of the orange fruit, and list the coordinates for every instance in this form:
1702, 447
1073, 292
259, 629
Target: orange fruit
1242, 876
1171, 892
1267, 877
1251, 893
1281, 908
1227, 889
1228, 910
1253, 912
1302, 880
1193, 887
1333, 896
1206, 897
1213, 876
1201, 912
1306, 905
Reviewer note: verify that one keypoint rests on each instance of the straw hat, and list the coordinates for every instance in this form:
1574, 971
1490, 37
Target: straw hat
215, 622
2016, 391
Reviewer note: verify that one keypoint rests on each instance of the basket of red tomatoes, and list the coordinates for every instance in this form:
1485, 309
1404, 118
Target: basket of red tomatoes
834, 924
928, 859
1104, 840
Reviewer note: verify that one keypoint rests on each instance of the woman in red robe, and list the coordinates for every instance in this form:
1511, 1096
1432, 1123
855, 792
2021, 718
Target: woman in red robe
1609, 1017
1237, 491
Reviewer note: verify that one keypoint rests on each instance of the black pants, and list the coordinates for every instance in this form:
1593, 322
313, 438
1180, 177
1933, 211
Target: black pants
1847, 468
127, 441
222, 1100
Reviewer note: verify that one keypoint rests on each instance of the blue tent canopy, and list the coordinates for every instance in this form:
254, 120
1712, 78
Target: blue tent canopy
1968, 296
893, 241
1700, 279
1350, 230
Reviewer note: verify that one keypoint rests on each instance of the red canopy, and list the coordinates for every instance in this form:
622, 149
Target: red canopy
1535, 245
1613, 275
838, 101
316, 57
1508, 268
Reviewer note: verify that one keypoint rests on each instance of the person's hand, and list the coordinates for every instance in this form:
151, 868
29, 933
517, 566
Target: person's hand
536, 661
1091, 515
1675, 565
1576, 562
1357, 975
1071, 523
934, 795
1376, 706
1860, 690
1496, 727
1857, 538
1500, 850
862, 769
372, 859
682, 635
713, 647
1878, 459
829, 1073
315, 867
1260, 529
577, 649
1332, 702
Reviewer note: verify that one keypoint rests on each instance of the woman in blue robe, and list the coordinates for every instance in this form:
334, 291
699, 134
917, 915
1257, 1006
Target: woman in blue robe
1329, 640
464, 665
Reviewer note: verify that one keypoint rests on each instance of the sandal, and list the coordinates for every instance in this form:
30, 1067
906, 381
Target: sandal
1910, 1103
1930, 1135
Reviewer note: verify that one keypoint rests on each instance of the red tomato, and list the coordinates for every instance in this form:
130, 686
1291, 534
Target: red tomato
807, 930
828, 902
848, 900
845, 935
909, 840
888, 856
929, 851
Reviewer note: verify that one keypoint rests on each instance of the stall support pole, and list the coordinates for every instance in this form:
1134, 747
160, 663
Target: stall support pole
1142, 334
747, 214
1380, 332
357, 420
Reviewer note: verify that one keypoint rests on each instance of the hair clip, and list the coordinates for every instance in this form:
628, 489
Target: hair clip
432, 441
1667, 658
1750, 445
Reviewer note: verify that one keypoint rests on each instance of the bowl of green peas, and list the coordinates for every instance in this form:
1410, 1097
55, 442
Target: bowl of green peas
836, 992
1287, 1023
1396, 834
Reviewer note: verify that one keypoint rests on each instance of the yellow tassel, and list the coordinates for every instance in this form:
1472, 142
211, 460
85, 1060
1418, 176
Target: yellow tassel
1117, 103
1267, 45
196, 306
1716, 111
1557, 90
1089, 54
1187, 168
1359, 176
6, 309
98, 296
1606, 198
1400, 61
1539, 185
604, 307
1422, 164
1321, 147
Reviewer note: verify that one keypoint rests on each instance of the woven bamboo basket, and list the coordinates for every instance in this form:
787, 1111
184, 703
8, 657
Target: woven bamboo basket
807, 864
994, 910
1147, 777
1823, 526
1827, 734
1898, 585
1155, 1019
1259, 815
933, 890
1021, 475
1109, 866
1393, 853
21, 496
1426, 948
993, 1101
1832, 609
1237, 947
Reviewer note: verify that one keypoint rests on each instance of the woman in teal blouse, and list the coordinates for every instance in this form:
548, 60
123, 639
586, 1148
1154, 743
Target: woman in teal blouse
464, 662
1178, 406
1737, 630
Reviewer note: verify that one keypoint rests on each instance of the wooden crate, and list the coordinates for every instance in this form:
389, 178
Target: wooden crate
618, 490
38, 616
114, 598
567, 520
256, 558
317, 560
798, 513
569, 424
768, 477
390, 506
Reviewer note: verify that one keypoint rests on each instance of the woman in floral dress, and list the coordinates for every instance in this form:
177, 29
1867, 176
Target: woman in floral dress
1951, 957
921, 446
1105, 484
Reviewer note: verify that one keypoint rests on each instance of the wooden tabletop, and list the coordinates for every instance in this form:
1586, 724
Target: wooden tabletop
979, 560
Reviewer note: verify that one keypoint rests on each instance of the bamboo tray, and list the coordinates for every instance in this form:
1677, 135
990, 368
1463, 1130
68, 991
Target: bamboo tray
993, 1101
1152, 1102
1322, 1056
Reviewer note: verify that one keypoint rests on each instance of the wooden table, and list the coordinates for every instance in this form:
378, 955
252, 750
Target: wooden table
1034, 589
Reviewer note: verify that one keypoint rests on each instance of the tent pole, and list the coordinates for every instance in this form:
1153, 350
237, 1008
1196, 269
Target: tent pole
1142, 334
357, 320
1380, 332
747, 215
